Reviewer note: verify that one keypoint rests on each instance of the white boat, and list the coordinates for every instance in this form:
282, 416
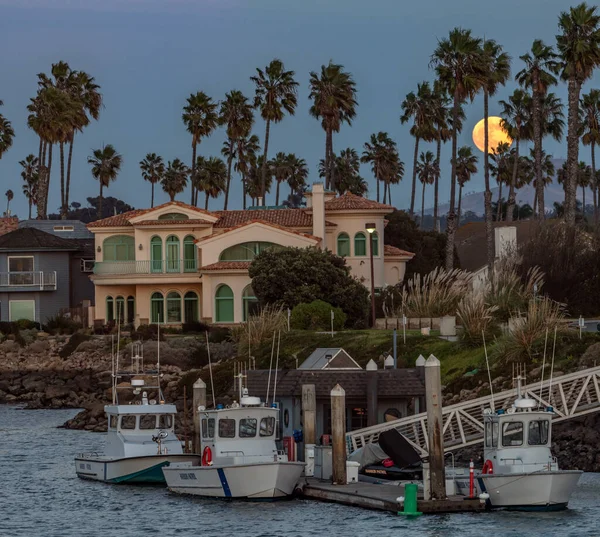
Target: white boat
141, 438
240, 458
519, 470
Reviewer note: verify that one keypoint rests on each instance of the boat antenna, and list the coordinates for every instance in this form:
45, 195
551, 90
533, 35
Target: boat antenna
543, 367
276, 367
158, 344
114, 372
117, 355
270, 367
212, 385
552, 367
487, 363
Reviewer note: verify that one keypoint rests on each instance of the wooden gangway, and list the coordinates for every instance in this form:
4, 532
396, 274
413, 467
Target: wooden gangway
571, 396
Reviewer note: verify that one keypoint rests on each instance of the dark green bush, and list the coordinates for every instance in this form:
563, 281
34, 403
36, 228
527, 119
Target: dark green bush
316, 315
194, 328
146, 332
26, 324
74, 341
218, 334
60, 324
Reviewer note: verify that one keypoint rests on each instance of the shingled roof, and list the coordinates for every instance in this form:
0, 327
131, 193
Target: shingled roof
281, 217
28, 238
391, 383
349, 201
227, 265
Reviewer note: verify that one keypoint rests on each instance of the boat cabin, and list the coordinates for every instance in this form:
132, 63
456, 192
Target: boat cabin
518, 440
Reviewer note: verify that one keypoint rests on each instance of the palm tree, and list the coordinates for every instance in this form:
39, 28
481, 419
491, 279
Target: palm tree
9, 196
201, 119
106, 164
153, 169
281, 171
515, 119
466, 166
298, 173
275, 94
584, 180
501, 169
548, 173
347, 172
459, 66
237, 115
29, 174
590, 108
254, 179
427, 171
212, 177
246, 154
419, 108
541, 66
6, 134
175, 177
333, 94
579, 47
381, 152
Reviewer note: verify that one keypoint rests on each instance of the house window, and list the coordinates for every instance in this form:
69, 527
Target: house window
172, 249
250, 303
119, 248
375, 244
245, 251
130, 309
343, 245
157, 308
20, 270
173, 216
190, 306
21, 309
87, 265
224, 304
189, 254
156, 254
110, 309
358, 418
63, 228
360, 244
173, 307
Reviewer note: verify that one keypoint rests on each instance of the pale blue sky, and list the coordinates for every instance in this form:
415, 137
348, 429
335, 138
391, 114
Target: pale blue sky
149, 55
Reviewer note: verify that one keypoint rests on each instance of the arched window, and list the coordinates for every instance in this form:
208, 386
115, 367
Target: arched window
249, 302
224, 304
156, 255
157, 308
189, 254
118, 248
190, 307
173, 216
110, 309
245, 251
120, 310
172, 249
343, 245
360, 244
173, 307
130, 309
375, 244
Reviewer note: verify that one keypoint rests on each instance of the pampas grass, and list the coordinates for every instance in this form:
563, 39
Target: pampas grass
476, 318
259, 328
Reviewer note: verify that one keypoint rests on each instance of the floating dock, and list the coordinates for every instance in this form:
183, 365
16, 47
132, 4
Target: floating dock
383, 497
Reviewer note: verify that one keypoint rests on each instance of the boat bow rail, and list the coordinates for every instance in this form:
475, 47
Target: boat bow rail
570, 396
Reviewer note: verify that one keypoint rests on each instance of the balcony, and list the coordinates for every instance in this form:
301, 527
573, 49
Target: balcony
173, 266
28, 281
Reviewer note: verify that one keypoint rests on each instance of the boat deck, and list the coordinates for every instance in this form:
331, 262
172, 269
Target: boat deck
383, 497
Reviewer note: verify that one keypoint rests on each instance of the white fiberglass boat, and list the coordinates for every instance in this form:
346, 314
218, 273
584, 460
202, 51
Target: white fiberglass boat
141, 438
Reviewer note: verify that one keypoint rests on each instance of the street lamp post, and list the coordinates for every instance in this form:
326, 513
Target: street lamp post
371, 228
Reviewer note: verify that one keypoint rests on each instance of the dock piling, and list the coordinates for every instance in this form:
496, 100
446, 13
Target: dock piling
198, 399
338, 430
433, 394
309, 422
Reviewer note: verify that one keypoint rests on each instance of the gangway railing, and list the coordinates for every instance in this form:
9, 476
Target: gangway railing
571, 396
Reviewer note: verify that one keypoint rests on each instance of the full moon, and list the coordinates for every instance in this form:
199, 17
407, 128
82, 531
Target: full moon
496, 134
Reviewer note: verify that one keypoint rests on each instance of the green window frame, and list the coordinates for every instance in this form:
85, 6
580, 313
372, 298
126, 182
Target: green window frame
130, 309
224, 310
343, 245
172, 253
245, 251
110, 309
156, 254
157, 308
375, 244
173, 216
190, 307
173, 307
249, 302
360, 244
189, 254
118, 248
120, 309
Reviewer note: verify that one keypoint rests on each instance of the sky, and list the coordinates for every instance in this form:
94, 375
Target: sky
149, 55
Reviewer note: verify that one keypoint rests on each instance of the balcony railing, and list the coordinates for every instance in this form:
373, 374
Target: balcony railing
44, 281
170, 266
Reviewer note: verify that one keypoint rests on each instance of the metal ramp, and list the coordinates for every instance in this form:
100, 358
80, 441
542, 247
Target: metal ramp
571, 396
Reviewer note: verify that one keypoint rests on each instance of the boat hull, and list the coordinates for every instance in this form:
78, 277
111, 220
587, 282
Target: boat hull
542, 491
145, 469
258, 481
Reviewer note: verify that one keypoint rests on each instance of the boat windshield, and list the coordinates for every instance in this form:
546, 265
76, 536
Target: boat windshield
128, 422
148, 421
208, 428
247, 428
491, 434
226, 428
267, 426
512, 434
165, 421
112, 423
538, 433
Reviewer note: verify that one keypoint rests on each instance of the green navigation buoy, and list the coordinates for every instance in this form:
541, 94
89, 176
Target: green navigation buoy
410, 501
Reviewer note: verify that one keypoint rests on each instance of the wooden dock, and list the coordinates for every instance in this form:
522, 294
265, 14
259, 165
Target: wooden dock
383, 497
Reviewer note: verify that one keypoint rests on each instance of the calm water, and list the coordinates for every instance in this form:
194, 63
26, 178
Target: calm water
40, 496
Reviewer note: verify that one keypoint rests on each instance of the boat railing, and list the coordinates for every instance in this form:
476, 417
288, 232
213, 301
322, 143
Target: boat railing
88, 454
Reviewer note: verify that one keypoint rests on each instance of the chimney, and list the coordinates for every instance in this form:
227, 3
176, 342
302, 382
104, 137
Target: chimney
259, 201
505, 240
317, 202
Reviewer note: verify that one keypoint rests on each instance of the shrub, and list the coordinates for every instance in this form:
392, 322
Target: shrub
476, 318
74, 341
259, 328
218, 334
195, 328
26, 324
61, 324
316, 315
147, 332
12, 329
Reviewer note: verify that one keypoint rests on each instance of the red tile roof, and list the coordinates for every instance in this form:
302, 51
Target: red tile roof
171, 222
392, 251
270, 224
282, 217
352, 202
227, 265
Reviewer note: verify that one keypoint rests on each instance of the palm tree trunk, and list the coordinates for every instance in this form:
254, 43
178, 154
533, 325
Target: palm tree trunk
459, 205
331, 162
69, 161
487, 197
422, 206
511, 192
152, 195
389, 193
499, 207
535, 201
594, 184
194, 200
41, 179
377, 181
451, 223
263, 188
572, 151
437, 183
29, 199
385, 190
244, 194
229, 163
206, 201
47, 182
583, 206
277, 192
414, 177
537, 150
63, 210
100, 201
